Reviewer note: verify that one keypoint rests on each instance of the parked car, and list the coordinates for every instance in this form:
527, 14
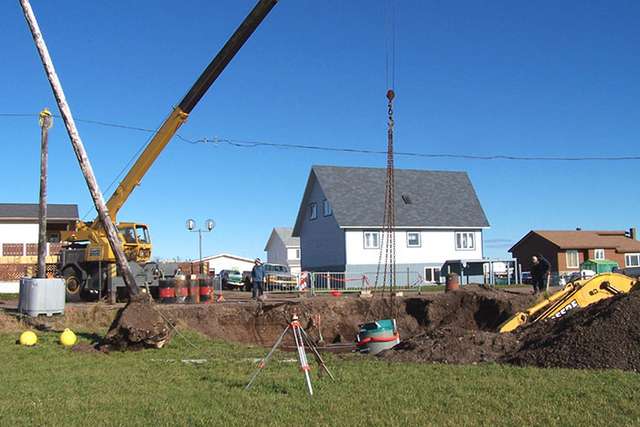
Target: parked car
526, 278
278, 276
246, 280
580, 275
231, 279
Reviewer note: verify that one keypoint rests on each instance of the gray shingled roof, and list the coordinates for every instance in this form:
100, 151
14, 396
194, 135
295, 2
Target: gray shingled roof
287, 238
285, 234
30, 211
438, 198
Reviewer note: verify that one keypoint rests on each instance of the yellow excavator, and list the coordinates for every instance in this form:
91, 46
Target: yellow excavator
86, 261
575, 295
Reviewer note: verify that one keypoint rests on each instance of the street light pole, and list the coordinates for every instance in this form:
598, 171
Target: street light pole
209, 224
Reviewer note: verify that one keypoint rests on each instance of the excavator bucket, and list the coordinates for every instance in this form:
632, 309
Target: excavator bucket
575, 295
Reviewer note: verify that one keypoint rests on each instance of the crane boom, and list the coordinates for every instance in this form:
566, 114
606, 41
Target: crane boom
180, 113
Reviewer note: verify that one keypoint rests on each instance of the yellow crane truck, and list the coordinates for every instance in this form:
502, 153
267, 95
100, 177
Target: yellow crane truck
574, 295
86, 261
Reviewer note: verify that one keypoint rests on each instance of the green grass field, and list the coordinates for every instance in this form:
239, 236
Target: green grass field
8, 297
50, 385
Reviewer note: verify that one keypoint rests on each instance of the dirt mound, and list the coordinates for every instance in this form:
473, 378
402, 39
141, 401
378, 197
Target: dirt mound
459, 327
603, 335
452, 344
138, 325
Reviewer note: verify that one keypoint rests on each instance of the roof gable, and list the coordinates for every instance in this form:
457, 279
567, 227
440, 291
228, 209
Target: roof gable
285, 235
432, 198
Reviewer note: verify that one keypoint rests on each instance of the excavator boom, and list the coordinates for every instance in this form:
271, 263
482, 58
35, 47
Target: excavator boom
180, 113
578, 294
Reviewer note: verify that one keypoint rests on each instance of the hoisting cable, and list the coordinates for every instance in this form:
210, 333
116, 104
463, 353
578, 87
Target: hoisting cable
387, 237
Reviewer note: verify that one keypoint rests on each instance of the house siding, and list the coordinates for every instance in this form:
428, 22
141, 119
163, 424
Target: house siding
276, 251
406, 273
219, 263
436, 247
322, 242
18, 233
292, 261
535, 244
562, 260
609, 254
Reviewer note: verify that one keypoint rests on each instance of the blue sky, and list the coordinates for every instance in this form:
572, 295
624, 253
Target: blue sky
472, 77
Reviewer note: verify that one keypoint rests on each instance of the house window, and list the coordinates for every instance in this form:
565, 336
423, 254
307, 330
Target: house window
297, 254
465, 241
371, 240
432, 275
326, 208
413, 239
313, 211
573, 259
632, 260
598, 254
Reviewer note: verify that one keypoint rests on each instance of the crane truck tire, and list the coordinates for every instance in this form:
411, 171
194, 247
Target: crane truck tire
72, 285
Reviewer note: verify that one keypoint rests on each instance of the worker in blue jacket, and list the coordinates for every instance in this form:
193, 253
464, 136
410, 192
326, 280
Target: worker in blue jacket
257, 279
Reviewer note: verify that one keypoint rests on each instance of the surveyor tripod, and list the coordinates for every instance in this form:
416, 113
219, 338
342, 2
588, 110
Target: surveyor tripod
300, 337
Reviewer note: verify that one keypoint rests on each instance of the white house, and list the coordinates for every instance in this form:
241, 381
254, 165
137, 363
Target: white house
339, 222
283, 248
19, 229
228, 262
19, 238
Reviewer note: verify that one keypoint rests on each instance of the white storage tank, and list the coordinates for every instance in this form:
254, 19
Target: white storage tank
41, 296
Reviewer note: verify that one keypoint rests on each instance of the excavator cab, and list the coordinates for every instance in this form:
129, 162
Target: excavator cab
135, 241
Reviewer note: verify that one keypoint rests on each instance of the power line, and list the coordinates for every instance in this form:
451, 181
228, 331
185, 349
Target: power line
252, 144
249, 144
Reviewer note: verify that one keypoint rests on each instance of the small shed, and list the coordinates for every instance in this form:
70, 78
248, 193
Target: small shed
599, 265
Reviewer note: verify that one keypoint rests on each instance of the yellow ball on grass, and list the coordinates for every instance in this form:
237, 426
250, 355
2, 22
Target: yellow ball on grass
68, 338
28, 338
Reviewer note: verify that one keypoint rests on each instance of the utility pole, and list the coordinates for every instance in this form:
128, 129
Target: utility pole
46, 122
78, 148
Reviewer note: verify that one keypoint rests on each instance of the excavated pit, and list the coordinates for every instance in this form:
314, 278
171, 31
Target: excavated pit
474, 308
455, 327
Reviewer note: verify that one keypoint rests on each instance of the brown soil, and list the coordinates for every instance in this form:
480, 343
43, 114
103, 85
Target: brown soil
88, 348
262, 323
138, 325
451, 344
9, 323
459, 327
603, 335
456, 327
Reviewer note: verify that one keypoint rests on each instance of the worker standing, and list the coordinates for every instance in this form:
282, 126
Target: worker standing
540, 269
257, 278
